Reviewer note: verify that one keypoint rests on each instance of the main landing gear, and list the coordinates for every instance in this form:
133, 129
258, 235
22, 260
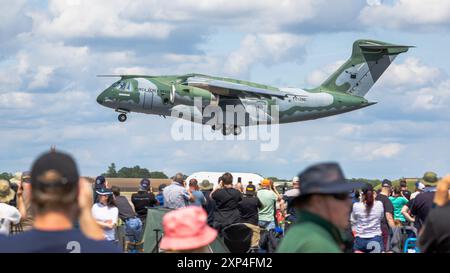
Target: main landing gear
228, 129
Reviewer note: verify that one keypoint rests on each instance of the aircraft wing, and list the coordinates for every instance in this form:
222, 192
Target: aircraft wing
226, 88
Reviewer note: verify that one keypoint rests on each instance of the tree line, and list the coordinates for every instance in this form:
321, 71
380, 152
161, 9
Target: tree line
132, 172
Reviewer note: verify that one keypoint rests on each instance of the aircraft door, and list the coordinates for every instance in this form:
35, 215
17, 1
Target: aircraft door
148, 100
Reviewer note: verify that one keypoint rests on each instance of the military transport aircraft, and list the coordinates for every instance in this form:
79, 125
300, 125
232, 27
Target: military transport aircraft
342, 92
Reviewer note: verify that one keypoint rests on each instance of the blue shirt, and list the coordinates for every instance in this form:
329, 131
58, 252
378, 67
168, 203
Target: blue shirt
68, 241
160, 199
199, 199
175, 196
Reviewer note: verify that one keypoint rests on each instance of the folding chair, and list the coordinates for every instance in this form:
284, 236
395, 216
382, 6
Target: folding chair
238, 238
410, 246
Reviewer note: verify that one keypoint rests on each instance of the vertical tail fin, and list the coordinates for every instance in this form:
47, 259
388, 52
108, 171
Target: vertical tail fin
366, 65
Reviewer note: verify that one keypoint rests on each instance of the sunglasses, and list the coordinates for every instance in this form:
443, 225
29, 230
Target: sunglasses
342, 196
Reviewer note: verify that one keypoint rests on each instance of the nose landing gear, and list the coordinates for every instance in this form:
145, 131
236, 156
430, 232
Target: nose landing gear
122, 114
122, 117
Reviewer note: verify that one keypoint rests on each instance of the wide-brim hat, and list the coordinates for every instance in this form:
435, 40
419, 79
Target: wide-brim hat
326, 178
205, 185
16, 178
186, 229
6, 193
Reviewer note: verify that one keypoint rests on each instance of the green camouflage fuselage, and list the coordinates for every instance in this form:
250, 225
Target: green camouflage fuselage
151, 95
342, 92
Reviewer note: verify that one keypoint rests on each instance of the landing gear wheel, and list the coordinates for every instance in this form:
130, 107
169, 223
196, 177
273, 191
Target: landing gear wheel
227, 130
122, 118
237, 130
216, 127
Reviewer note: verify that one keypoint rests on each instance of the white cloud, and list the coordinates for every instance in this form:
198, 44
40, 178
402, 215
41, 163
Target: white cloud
318, 76
15, 100
349, 130
264, 48
42, 77
88, 19
432, 98
373, 151
408, 14
410, 73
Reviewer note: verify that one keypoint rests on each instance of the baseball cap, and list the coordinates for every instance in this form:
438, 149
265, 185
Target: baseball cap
265, 183
104, 191
54, 169
296, 179
386, 183
100, 180
250, 189
325, 178
186, 229
145, 184
420, 185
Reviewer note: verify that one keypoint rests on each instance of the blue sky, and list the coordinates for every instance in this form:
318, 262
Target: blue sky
50, 52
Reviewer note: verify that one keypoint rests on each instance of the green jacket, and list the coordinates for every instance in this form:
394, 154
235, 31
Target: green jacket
311, 234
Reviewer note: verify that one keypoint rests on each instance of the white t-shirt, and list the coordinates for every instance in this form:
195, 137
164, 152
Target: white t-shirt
367, 225
104, 213
8, 215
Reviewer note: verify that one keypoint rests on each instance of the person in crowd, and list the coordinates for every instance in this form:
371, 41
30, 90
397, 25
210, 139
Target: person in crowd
206, 188
143, 199
186, 231
366, 219
421, 205
324, 209
387, 223
239, 185
289, 197
106, 213
160, 196
133, 225
99, 183
404, 189
406, 212
227, 201
398, 201
199, 198
14, 183
251, 186
59, 197
175, 195
268, 198
248, 208
435, 235
10, 214
419, 189
25, 184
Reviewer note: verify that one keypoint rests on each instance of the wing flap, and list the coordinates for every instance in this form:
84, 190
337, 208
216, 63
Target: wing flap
230, 88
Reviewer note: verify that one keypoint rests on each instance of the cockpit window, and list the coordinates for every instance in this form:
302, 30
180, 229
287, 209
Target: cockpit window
123, 85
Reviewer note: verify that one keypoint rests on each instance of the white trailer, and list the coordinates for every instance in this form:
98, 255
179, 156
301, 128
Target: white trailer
213, 178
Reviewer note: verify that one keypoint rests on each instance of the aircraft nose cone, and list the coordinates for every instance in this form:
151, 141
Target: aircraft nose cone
100, 99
